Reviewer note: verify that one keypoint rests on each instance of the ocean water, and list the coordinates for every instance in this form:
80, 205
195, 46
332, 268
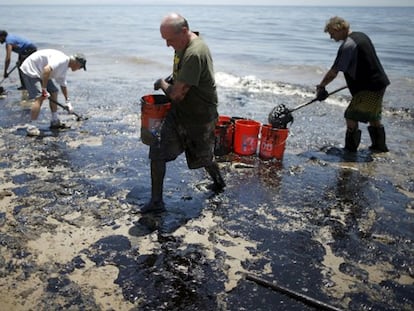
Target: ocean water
267, 44
264, 57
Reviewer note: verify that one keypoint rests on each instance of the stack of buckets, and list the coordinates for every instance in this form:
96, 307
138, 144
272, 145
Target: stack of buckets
232, 134
243, 136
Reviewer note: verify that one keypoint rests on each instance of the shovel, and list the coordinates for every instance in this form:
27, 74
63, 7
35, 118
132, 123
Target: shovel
1, 82
78, 117
280, 116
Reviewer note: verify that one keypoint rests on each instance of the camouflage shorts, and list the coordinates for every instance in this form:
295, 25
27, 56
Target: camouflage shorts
196, 140
365, 106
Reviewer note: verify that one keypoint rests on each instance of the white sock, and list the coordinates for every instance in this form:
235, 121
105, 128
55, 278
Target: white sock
34, 123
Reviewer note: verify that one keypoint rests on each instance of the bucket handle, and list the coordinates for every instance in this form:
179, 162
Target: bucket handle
281, 143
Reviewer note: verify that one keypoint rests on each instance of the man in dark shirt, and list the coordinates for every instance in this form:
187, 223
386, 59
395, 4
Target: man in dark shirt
366, 80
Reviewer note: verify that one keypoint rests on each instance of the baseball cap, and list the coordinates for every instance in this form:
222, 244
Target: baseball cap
80, 58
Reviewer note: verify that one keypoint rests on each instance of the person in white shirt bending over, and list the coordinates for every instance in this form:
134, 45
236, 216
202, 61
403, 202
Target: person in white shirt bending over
39, 70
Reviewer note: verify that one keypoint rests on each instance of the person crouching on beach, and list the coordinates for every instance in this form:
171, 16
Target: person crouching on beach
189, 125
366, 80
38, 71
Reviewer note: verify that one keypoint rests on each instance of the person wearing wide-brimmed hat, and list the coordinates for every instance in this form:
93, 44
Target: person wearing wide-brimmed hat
39, 71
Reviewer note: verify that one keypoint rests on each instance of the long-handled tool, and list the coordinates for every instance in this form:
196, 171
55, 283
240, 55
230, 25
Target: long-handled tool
315, 99
11, 70
298, 296
78, 117
280, 116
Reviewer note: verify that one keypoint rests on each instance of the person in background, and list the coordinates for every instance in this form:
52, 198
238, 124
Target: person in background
189, 125
366, 80
19, 45
39, 71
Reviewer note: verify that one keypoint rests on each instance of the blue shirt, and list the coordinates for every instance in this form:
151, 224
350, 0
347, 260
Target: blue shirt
19, 44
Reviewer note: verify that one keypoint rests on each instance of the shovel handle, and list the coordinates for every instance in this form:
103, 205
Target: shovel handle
315, 99
337, 90
11, 70
320, 305
66, 108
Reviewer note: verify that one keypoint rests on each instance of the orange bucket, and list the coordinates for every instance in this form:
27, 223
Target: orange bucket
223, 136
272, 142
154, 109
246, 137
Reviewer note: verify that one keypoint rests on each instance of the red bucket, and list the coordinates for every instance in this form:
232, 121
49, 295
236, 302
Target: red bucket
223, 136
272, 142
154, 109
246, 137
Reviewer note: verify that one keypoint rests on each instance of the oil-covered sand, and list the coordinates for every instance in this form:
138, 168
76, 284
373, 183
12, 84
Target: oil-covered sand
337, 228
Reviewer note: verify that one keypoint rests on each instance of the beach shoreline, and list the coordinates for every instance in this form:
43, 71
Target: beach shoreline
65, 215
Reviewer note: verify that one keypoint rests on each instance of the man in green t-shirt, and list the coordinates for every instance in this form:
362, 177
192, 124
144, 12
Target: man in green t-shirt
190, 124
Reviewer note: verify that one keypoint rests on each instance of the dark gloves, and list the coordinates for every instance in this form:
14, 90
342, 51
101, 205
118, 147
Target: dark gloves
169, 79
321, 93
157, 84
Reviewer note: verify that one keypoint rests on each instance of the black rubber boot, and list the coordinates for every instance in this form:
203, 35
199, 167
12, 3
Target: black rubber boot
156, 204
377, 135
352, 140
218, 181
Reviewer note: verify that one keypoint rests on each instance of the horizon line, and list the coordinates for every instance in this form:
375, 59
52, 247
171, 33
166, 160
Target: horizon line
218, 4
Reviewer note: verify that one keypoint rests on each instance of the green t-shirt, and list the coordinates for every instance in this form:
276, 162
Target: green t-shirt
194, 66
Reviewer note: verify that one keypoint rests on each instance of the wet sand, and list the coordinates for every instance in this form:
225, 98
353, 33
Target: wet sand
336, 228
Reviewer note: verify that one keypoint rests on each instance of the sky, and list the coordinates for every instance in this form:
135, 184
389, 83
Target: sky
220, 2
